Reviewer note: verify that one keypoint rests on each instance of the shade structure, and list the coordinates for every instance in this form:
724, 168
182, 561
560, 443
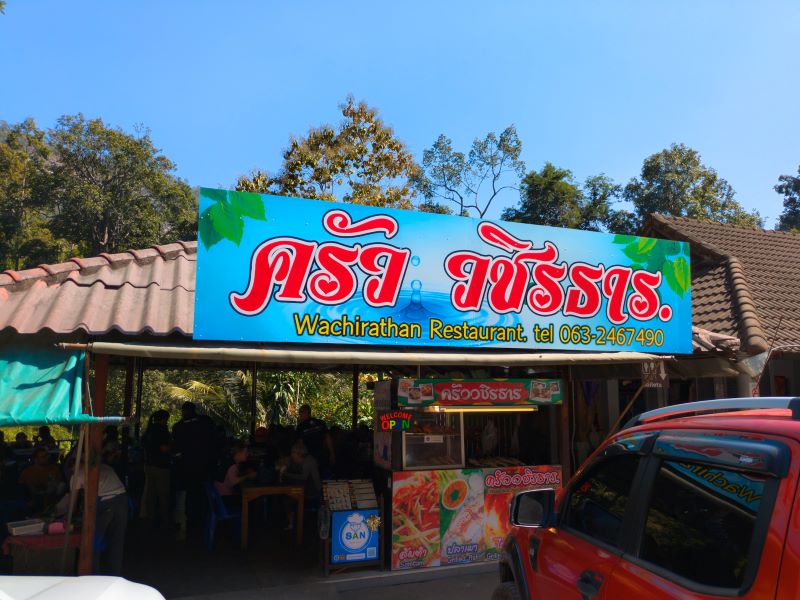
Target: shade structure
349, 356
42, 385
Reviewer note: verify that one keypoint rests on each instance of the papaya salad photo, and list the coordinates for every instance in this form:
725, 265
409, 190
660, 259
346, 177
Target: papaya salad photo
415, 512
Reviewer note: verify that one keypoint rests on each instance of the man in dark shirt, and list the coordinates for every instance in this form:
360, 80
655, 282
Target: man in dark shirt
194, 445
6, 453
314, 433
157, 449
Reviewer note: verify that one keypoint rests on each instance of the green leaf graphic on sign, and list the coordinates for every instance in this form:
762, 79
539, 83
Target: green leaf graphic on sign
208, 233
678, 275
624, 239
227, 221
632, 252
224, 218
645, 245
215, 195
248, 204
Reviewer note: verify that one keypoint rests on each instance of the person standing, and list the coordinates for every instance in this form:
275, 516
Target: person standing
194, 447
157, 452
314, 434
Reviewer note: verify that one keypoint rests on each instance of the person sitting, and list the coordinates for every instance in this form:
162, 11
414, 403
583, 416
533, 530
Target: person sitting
22, 442
45, 439
302, 469
264, 452
42, 480
41, 477
230, 488
112, 516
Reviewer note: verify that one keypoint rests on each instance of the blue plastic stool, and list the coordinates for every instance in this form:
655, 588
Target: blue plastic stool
217, 511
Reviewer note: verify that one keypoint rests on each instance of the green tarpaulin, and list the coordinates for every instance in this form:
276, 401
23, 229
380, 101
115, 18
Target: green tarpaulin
41, 385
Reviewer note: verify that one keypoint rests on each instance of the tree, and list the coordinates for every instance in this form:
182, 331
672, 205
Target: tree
431, 206
24, 237
552, 197
789, 186
111, 191
359, 161
676, 182
454, 177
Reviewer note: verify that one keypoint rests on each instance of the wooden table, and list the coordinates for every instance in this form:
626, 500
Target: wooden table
253, 492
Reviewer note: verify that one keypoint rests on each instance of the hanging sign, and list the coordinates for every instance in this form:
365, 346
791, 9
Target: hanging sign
654, 375
479, 392
272, 269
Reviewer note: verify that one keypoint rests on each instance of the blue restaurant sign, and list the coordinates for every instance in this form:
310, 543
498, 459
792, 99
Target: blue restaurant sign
274, 269
353, 538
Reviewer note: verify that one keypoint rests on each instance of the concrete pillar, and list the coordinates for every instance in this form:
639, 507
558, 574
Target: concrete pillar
745, 385
612, 393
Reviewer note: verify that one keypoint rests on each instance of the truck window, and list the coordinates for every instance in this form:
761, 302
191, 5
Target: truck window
596, 506
701, 521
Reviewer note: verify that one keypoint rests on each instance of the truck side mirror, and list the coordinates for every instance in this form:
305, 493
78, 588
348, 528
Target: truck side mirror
533, 509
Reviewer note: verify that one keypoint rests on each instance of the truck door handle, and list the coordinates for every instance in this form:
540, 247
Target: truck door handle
589, 584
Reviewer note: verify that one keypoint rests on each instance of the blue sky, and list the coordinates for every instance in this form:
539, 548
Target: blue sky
591, 86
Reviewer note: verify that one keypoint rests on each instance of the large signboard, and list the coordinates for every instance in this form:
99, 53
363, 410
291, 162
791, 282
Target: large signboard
272, 269
457, 516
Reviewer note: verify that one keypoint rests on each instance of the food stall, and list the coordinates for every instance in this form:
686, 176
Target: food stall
452, 452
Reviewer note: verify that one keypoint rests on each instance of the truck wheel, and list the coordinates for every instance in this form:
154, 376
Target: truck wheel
506, 591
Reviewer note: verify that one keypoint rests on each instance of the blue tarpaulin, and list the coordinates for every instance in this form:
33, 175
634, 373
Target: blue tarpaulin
41, 385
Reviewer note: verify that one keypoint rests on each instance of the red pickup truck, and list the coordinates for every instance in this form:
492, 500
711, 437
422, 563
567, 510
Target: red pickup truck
698, 500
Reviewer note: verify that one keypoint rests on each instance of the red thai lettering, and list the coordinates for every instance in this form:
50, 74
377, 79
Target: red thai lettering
547, 296
340, 224
334, 282
583, 296
643, 303
615, 288
282, 262
471, 271
499, 237
386, 266
509, 282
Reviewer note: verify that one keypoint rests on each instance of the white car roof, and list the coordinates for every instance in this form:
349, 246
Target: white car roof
20, 587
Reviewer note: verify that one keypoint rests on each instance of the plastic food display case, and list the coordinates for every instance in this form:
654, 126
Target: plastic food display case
434, 441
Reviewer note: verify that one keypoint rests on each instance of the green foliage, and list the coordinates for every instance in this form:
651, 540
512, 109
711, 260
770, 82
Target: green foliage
471, 181
433, 207
552, 197
359, 161
24, 236
83, 188
225, 396
224, 218
676, 182
789, 186
111, 191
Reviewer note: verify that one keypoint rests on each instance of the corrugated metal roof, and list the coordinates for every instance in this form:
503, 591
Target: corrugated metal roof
136, 292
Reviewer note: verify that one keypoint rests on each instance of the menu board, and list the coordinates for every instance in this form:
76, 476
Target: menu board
459, 515
349, 494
